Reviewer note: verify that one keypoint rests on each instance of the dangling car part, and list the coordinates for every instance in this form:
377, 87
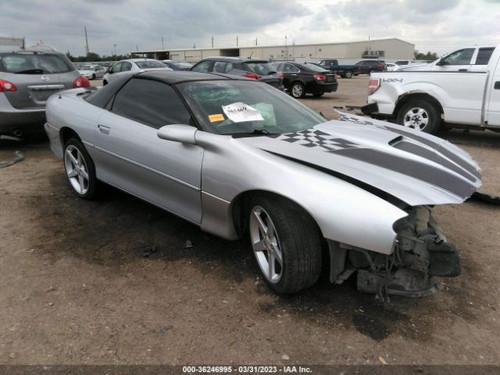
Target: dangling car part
240, 158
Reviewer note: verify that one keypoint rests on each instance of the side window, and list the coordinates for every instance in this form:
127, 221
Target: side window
117, 68
229, 67
483, 56
460, 57
202, 67
219, 66
289, 68
126, 66
151, 102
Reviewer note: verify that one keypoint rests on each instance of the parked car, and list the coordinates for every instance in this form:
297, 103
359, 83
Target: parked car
368, 66
27, 79
92, 71
345, 71
391, 67
431, 100
126, 67
302, 78
178, 65
473, 59
242, 159
259, 70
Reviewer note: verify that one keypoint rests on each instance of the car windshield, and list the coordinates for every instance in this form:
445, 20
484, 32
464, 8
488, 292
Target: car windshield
247, 108
262, 68
183, 65
312, 66
34, 63
148, 64
87, 67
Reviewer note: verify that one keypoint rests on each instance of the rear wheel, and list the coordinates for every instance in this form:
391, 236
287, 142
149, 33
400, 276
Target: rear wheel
298, 90
421, 115
286, 244
80, 169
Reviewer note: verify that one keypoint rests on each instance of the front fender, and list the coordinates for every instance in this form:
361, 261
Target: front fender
344, 212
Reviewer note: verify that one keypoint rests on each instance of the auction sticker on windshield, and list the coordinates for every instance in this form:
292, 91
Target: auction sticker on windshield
241, 112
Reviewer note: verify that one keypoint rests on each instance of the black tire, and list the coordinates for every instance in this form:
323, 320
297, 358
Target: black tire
104, 82
297, 90
348, 74
280, 229
93, 76
80, 170
318, 94
420, 114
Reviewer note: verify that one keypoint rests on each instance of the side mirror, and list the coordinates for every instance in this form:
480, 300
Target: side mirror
178, 133
441, 62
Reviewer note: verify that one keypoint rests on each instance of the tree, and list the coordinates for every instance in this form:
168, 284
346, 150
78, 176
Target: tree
91, 56
425, 56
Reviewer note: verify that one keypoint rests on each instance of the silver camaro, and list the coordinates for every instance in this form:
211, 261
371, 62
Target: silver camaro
241, 158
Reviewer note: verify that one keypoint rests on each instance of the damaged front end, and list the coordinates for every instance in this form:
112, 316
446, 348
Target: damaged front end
421, 255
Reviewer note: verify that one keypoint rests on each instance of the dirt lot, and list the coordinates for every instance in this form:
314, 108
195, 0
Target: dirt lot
113, 282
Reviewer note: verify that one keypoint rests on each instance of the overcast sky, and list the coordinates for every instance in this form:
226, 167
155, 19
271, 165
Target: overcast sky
126, 25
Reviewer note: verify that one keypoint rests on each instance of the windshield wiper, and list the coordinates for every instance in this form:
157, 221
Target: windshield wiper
254, 132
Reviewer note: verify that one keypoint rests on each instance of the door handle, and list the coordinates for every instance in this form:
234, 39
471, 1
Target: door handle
462, 70
104, 129
497, 85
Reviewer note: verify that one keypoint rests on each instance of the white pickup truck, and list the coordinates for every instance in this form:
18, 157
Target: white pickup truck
473, 59
426, 100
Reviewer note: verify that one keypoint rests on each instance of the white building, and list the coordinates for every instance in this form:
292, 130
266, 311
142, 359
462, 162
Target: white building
384, 49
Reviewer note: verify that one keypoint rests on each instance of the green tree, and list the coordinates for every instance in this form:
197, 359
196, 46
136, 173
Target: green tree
425, 56
91, 56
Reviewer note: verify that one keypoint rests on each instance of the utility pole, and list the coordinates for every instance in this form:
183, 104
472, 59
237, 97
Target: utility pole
236, 40
255, 41
162, 45
86, 41
212, 41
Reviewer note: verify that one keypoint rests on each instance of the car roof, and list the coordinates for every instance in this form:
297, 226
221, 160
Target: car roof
173, 77
233, 58
139, 59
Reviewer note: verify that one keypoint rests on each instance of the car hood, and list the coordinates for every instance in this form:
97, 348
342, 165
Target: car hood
412, 166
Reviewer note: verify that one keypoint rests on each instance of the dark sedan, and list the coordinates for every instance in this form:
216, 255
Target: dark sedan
302, 78
368, 66
260, 70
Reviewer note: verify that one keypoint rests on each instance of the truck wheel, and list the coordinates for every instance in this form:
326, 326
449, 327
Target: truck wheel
348, 74
298, 90
421, 115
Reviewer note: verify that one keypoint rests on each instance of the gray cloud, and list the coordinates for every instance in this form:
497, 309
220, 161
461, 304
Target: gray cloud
131, 23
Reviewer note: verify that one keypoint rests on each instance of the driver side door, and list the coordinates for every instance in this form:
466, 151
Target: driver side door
130, 156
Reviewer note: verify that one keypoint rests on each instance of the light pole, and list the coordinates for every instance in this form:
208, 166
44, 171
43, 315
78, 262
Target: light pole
114, 50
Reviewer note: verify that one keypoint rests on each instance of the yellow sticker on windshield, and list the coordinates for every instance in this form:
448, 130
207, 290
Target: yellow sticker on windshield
216, 118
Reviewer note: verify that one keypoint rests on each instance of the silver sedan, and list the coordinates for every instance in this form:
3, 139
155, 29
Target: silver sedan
241, 158
126, 67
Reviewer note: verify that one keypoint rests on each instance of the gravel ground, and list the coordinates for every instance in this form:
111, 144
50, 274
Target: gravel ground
115, 281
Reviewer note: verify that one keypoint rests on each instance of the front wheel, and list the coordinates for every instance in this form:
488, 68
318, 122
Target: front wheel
80, 169
286, 244
348, 74
298, 90
421, 115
